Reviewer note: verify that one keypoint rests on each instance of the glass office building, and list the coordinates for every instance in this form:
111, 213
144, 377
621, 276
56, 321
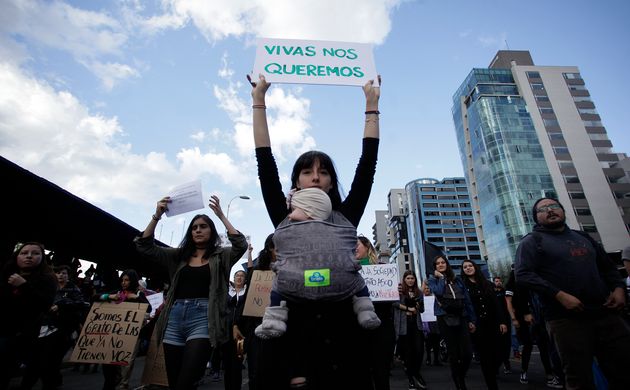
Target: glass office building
503, 162
439, 212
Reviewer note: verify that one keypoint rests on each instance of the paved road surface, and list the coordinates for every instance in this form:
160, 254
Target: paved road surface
436, 378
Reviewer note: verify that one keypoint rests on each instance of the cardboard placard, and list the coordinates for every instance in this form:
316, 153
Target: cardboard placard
110, 333
382, 281
258, 293
314, 62
154, 367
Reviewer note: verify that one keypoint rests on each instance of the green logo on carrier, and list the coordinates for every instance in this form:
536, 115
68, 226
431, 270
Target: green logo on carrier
317, 277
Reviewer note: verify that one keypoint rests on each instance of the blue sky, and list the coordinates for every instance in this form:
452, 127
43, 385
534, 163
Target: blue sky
118, 101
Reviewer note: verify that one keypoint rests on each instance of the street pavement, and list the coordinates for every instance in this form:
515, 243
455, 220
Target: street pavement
436, 378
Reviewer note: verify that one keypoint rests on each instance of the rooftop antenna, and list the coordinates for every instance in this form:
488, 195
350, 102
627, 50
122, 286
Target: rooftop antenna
506, 45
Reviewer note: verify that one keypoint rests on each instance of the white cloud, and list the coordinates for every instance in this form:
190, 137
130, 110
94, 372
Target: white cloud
496, 41
111, 73
86, 35
352, 20
198, 136
52, 134
287, 118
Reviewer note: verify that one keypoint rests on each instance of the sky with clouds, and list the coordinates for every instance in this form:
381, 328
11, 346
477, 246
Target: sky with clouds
120, 101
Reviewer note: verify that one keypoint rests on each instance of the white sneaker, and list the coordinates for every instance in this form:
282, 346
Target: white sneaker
523, 378
554, 382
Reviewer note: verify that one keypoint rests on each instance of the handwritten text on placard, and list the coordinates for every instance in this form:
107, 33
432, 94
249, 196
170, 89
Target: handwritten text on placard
382, 281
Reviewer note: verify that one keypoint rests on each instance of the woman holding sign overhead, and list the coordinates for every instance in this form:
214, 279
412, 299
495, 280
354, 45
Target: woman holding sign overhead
328, 332
194, 317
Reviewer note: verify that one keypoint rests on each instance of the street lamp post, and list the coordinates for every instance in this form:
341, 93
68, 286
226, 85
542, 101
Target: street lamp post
245, 197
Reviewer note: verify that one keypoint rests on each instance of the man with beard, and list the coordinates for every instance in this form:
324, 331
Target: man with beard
581, 293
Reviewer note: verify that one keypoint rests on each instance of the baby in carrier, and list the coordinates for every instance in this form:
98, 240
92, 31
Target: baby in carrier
315, 261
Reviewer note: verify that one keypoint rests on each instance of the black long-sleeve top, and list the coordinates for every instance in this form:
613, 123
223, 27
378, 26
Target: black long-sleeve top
352, 207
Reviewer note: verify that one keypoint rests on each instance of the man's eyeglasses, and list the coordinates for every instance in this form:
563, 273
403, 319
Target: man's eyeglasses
544, 209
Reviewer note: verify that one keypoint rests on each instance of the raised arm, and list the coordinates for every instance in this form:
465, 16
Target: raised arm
162, 206
215, 205
261, 130
372, 95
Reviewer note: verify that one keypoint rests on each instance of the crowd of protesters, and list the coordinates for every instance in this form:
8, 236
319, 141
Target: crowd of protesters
329, 335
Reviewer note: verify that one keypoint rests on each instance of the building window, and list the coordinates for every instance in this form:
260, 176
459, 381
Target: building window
600, 149
497, 220
598, 136
533, 75
565, 164
545, 110
593, 123
560, 150
588, 227
551, 122
541, 98
582, 211
571, 179
577, 195
537, 86
555, 136
572, 76
578, 99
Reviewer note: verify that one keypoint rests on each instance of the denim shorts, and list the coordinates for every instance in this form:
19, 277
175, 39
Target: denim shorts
187, 320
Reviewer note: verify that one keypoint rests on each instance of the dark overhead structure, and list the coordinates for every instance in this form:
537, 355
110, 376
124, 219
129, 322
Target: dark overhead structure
38, 210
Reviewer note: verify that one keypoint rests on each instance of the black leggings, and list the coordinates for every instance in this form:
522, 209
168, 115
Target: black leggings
459, 349
186, 365
413, 350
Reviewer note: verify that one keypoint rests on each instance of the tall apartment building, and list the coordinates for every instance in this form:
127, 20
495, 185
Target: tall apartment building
380, 234
439, 211
397, 238
526, 131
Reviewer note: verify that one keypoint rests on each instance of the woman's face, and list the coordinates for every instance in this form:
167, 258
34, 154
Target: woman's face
440, 265
239, 279
29, 257
315, 176
361, 252
469, 268
201, 232
125, 282
410, 280
62, 277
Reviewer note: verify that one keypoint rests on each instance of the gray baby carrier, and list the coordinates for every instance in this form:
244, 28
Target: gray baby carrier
315, 259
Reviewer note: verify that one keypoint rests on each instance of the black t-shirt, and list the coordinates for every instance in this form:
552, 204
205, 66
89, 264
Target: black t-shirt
194, 282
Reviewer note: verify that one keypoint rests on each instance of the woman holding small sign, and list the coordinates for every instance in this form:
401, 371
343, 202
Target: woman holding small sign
329, 346
194, 317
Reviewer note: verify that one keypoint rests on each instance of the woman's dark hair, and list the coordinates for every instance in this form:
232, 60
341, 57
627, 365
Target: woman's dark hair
265, 256
188, 245
63, 267
482, 282
133, 279
306, 161
449, 274
406, 289
42, 268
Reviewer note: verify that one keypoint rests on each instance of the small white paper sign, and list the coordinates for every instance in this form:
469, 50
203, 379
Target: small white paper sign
382, 281
184, 198
429, 315
156, 301
314, 62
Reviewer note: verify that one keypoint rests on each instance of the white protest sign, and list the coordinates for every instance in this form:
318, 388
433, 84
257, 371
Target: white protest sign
382, 281
156, 301
314, 62
184, 198
428, 315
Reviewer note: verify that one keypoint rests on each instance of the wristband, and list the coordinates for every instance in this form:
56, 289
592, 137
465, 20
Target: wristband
377, 112
260, 106
155, 218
